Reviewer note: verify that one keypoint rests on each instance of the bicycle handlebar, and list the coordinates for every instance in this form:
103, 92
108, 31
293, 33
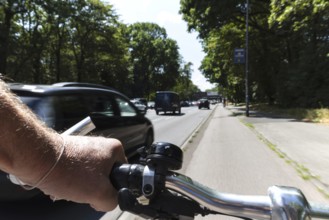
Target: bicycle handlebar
156, 182
254, 207
171, 195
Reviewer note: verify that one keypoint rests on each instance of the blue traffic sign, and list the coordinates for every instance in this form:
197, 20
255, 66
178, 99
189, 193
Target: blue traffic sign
239, 56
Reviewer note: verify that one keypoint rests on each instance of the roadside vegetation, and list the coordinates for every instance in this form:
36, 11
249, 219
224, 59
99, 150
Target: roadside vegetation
44, 42
288, 50
318, 115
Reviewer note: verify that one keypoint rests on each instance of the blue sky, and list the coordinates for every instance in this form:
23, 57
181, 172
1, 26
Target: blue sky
165, 14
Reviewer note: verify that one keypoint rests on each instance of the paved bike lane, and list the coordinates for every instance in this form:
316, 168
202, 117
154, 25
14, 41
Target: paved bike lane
233, 156
304, 145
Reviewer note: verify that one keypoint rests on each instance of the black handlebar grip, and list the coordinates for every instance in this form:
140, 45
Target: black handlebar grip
128, 176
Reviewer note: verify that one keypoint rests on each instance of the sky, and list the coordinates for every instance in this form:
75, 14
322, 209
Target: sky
165, 14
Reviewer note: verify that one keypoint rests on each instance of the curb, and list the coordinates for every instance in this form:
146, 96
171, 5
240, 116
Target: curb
187, 141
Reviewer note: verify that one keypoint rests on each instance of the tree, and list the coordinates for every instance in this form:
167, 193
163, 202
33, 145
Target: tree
288, 47
304, 29
8, 10
221, 26
155, 58
51, 41
184, 85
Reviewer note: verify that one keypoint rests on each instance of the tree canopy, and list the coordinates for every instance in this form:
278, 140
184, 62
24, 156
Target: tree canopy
84, 41
154, 56
288, 48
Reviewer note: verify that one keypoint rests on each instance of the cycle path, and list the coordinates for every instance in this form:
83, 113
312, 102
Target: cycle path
234, 157
304, 145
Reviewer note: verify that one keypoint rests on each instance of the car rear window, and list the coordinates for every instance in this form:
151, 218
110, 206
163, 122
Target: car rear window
60, 112
42, 107
31, 102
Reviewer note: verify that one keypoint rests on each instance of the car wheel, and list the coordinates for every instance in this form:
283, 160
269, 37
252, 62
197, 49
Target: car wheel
157, 112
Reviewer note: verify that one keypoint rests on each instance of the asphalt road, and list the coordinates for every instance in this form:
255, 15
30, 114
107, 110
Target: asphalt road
176, 128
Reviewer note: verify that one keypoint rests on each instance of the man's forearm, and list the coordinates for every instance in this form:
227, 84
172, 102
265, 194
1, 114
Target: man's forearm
27, 146
77, 170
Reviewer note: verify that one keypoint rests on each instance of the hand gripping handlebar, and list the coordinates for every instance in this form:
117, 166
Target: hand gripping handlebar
153, 190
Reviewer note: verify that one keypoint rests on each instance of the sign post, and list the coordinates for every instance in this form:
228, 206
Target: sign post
247, 57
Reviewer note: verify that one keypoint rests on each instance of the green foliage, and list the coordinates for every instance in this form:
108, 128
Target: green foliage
218, 65
288, 48
318, 115
52, 41
305, 71
155, 58
184, 86
206, 16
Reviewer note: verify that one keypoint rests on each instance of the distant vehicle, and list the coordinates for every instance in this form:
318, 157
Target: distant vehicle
204, 103
150, 104
213, 102
167, 101
184, 104
141, 107
141, 101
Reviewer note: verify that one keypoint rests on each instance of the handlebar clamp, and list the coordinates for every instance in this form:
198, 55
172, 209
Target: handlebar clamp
159, 158
162, 156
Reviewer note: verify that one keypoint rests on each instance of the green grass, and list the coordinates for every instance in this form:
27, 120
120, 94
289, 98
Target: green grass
302, 171
323, 192
320, 115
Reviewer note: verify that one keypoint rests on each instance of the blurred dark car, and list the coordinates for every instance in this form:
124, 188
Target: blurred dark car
184, 104
204, 103
62, 105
